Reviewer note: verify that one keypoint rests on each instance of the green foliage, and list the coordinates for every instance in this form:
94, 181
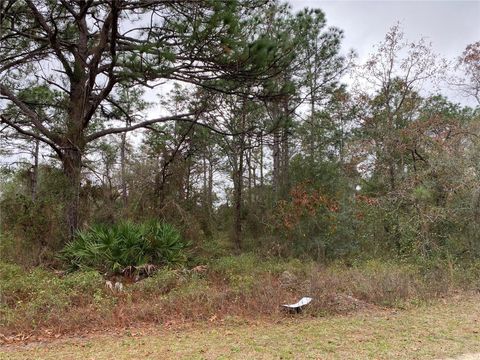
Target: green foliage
250, 264
416, 159
113, 248
19, 285
421, 193
29, 294
195, 288
248, 271
31, 228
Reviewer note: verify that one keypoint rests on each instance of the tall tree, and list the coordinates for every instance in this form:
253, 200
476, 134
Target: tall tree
239, 117
396, 73
310, 77
86, 49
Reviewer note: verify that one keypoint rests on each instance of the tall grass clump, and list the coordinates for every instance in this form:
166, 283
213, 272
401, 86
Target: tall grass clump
113, 248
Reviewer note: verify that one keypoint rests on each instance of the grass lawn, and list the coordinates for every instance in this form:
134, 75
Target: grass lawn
439, 330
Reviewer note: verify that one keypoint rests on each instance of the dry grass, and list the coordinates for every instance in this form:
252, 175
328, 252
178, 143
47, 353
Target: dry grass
244, 287
443, 329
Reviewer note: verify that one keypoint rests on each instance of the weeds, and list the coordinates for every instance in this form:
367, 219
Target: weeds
242, 286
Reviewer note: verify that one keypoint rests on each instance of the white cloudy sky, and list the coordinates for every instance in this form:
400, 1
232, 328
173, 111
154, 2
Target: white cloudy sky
449, 25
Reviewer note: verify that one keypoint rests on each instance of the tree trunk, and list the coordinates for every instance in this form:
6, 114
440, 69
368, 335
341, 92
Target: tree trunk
261, 160
249, 166
159, 183
204, 171
74, 143
285, 161
72, 165
276, 161
207, 205
187, 181
342, 139
123, 160
312, 146
238, 185
34, 179
210, 189
391, 173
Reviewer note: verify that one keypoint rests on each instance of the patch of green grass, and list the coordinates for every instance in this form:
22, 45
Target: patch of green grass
248, 272
443, 329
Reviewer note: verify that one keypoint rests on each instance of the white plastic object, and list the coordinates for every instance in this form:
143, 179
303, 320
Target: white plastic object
302, 302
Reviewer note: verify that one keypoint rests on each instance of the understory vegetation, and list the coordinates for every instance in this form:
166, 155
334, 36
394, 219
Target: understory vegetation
245, 286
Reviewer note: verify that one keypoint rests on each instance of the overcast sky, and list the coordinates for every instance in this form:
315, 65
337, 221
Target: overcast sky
449, 25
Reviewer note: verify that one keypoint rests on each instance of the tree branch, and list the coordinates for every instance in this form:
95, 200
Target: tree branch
187, 117
101, 133
52, 37
22, 131
29, 113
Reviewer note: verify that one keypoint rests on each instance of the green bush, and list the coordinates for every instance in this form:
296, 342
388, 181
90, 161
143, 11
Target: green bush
83, 282
19, 286
113, 248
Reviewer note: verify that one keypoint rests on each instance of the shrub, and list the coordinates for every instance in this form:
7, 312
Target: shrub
113, 248
19, 286
245, 285
235, 265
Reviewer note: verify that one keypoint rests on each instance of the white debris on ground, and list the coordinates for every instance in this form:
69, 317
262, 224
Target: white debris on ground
302, 302
117, 287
